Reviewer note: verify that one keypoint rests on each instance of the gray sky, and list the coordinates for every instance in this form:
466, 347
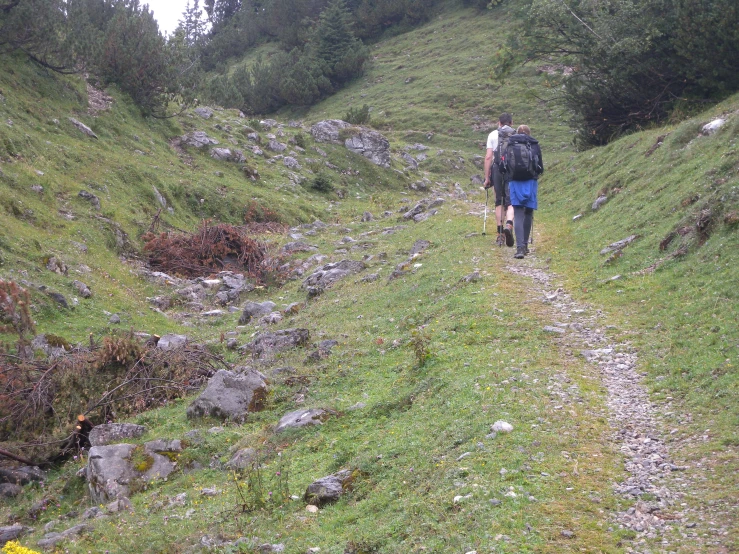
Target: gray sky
167, 13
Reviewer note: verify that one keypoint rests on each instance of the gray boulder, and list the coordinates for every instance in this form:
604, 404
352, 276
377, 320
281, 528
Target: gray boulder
276, 146
328, 130
300, 418
410, 160
198, 139
242, 459
170, 342
268, 343
419, 246
111, 433
713, 126
372, 145
230, 396
12, 532
10, 490
290, 162
91, 198
328, 489
82, 288
330, 273
50, 540
111, 470
297, 246
204, 112
256, 309
21, 475
227, 155
415, 210
40, 342
602, 199
82, 127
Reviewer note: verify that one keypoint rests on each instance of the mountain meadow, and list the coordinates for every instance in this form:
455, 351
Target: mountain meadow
251, 298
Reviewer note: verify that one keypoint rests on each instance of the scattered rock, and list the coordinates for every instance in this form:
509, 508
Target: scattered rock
198, 139
40, 342
204, 112
566, 533
301, 418
230, 396
242, 459
111, 433
328, 130
266, 344
578, 216
59, 299
372, 145
57, 265
82, 127
91, 198
328, 489
119, 505
713, 126
330, 273
82, 289
367, 216
419, 247
602, 199
501, 427
552, 329
256, 309
276, 146
226, 155
291, 163
171, 342
50, 540
10, 490
618, 245
472, 277
115, 319
297, 246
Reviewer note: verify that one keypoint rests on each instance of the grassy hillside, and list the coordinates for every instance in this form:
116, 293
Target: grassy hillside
425, 363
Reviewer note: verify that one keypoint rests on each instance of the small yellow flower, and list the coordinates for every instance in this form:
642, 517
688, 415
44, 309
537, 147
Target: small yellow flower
14, 547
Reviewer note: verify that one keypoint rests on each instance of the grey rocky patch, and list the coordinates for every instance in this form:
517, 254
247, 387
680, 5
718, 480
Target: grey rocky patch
419, 208
436, 202
204, 112
328, 130
57, 265
92, 513
291, 163
24, 475
59, 299
459, 192
115, 319
713, 126
160, 302
418, 146
619, 245
327, 489
254, 137
194, 292
13, 532
424, 216
82, 127
298, 246
602, 199
472, 277
37, 188
554, 330
479, 161
172, 342
576, 217
421, 186
276, 146
257, 151
267, 548
267, 124
160, 199
477, 180
301, 418
10, 490
111, 433
119, 505
242, 459
232, 396
322, 352
372, 145
227, 155
198, 139
40, 342
410, 160
371, 278
367, 216
271, 318
256, 309
265, 345
419, 247
328, 274
50, 540
294, 124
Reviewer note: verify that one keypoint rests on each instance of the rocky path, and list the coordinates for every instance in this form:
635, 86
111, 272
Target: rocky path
654, 487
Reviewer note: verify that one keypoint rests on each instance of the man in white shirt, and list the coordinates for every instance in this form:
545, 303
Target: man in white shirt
494, 178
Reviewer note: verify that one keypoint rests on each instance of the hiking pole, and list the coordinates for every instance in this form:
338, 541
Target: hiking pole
531, 237
485, 219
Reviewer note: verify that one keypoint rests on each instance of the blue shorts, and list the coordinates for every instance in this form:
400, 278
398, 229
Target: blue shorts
523, 193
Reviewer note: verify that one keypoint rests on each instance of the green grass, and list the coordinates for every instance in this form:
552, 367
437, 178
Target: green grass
488, 360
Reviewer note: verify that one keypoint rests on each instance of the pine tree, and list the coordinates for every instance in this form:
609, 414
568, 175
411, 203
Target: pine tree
335, 46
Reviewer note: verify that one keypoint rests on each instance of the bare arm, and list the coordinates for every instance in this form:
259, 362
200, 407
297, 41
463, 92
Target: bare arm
488, 165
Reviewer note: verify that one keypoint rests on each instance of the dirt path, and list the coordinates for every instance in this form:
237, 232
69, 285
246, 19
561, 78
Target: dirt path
653, 488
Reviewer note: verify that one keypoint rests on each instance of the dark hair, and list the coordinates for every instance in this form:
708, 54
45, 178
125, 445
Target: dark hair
505, 118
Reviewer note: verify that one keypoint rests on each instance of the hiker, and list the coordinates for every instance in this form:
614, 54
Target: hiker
494, 178
523, 165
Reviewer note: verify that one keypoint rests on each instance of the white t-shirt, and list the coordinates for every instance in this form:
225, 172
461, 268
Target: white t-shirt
493, 140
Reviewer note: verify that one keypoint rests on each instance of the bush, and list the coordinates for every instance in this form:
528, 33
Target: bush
358, 116
322, 183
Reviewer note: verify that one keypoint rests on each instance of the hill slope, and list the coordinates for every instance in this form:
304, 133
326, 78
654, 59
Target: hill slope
428, 360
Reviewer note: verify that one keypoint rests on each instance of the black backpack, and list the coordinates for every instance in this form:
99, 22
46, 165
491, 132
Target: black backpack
522, 158
503, 133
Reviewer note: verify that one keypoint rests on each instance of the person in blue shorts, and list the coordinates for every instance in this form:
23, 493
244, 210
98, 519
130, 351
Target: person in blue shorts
523, 191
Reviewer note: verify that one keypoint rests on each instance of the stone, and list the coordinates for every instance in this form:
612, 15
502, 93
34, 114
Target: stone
327, 489
328, 274
266, 344
256, 309
372, 145
171, 342
82, 127
459, 192
111, 433
297, 246
713, 126
552, 329
271, 318
290, 162
204, 112
267, 548
119, 505
300, 418
367, 216
82, 289
566, 533
91, 198
276, 146
91, 513
50, 540
59, 299
602, 199
115, 319
328, 130
198, 139
40, 342
10, 490
576, 217
227, 155
410, 160
230, 396
418, 247
472, 277
419, 208
242, 459
57, 265
22, 475
501, 426
619, 245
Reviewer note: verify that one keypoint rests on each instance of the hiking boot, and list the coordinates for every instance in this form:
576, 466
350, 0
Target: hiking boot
500, 241
520, 253
508, 232
526, 250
